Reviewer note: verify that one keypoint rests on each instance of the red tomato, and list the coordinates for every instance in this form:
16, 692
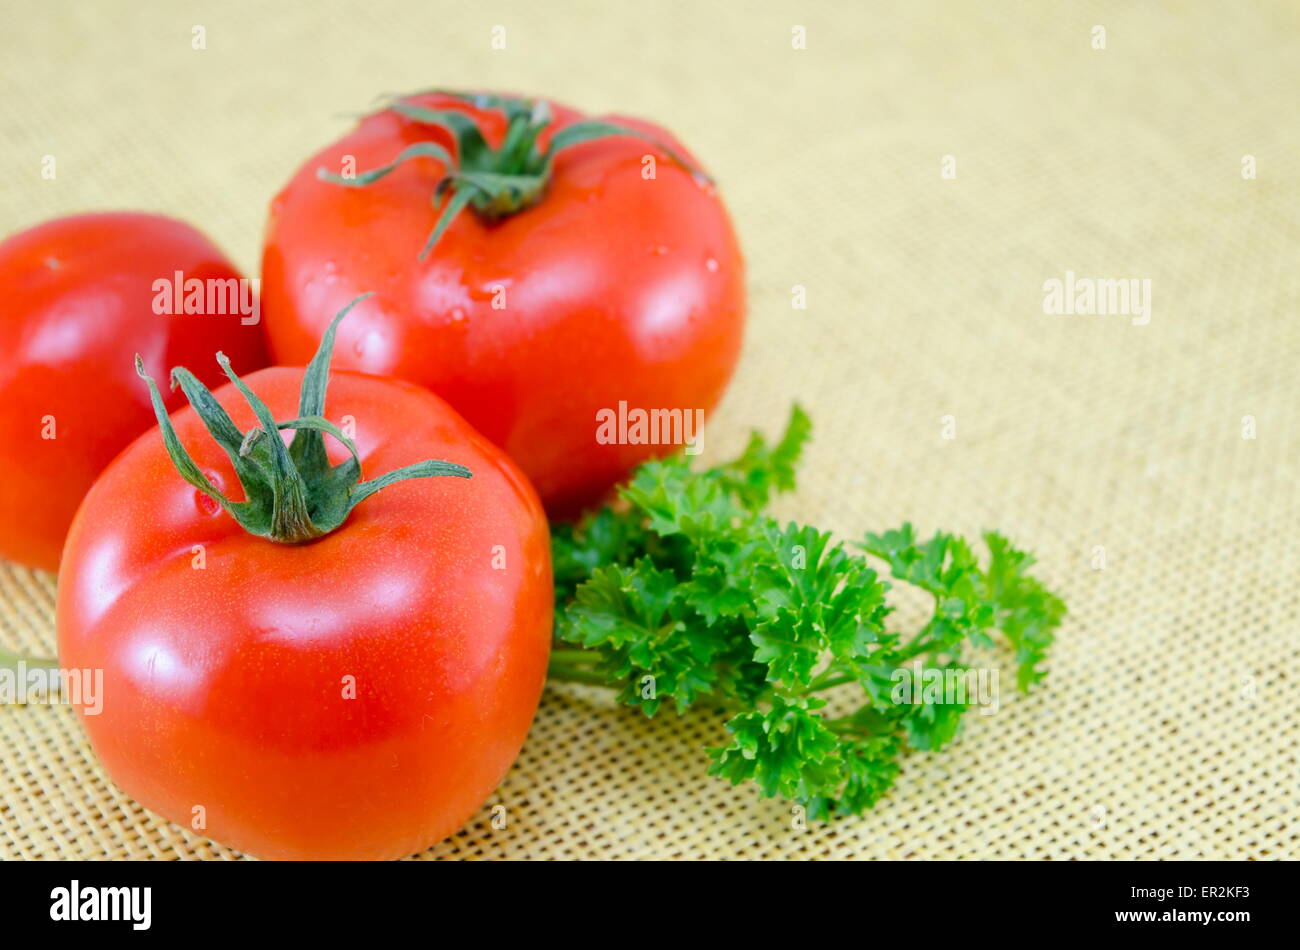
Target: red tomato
358, 696
79, 304
612, 288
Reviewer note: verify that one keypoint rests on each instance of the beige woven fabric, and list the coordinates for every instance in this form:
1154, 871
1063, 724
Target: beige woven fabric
1168, 726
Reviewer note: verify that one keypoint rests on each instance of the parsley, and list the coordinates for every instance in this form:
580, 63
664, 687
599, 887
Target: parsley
686, 593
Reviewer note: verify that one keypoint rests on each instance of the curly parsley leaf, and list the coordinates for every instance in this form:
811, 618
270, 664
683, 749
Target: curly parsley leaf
787, 749
686, 592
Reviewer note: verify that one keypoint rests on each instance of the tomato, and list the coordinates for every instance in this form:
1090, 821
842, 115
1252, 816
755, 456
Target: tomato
79, 303
355, 696
560, 292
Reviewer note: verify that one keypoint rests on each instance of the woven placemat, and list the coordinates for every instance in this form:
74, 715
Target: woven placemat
1168, 726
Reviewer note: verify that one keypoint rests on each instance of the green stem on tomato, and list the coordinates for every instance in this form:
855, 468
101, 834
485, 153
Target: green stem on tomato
495, 182
292, 494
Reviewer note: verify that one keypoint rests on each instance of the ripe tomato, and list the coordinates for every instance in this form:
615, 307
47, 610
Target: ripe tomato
356, 696
565, 288
79, 295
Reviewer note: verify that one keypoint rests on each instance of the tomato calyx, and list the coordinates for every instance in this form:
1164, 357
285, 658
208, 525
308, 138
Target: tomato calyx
292, 494
494, 182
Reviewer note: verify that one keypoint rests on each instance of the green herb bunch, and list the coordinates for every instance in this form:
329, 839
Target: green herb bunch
686, 592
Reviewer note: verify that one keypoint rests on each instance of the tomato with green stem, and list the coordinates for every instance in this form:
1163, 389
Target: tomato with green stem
79, 300
326, 667
532, 266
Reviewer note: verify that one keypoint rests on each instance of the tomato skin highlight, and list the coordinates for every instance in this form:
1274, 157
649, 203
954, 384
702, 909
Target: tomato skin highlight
615, 288
78, 307
225, 686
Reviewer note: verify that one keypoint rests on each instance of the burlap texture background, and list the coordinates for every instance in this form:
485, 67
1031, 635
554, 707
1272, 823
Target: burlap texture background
1168, 726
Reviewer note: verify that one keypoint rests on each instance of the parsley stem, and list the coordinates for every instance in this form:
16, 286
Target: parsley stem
565, 657
826, 682
567, 666
588, 677
844, 725
912, 650
10, 661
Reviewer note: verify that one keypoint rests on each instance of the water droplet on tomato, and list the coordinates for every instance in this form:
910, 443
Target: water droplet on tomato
711, 265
